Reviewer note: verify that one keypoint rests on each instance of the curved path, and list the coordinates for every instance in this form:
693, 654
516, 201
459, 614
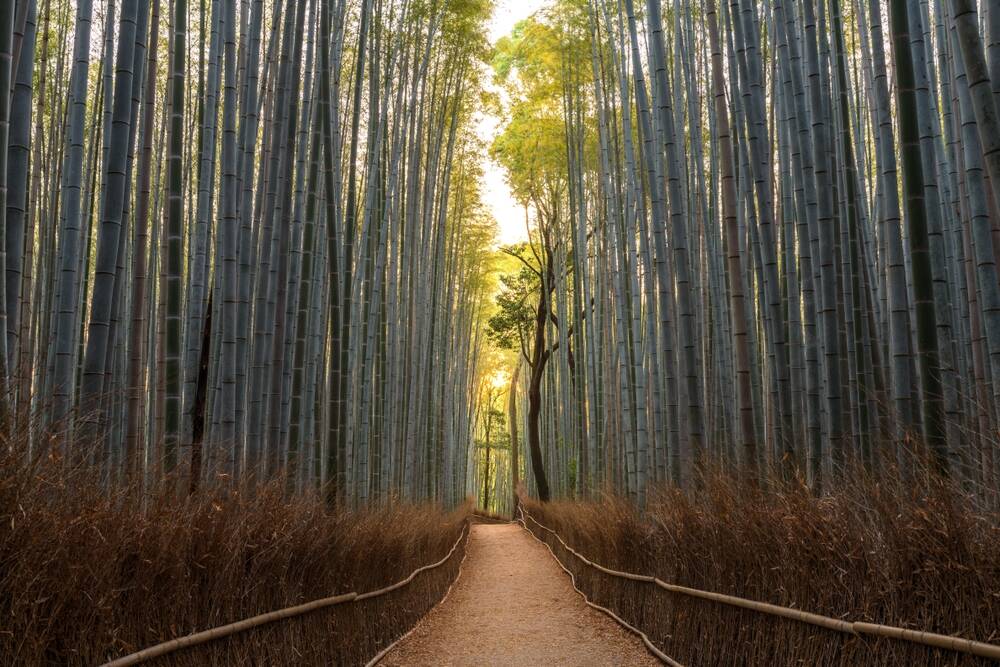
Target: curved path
513, 605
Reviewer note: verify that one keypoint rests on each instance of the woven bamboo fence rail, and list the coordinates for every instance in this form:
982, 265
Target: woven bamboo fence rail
388, 649
206, 636
947, 642
650, 646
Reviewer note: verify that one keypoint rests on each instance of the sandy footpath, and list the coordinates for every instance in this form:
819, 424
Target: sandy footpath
513, 605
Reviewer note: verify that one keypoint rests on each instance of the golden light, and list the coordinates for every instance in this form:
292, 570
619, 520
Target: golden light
500, 378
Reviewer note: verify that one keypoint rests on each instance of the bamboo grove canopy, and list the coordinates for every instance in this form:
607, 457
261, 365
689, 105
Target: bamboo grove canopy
765, 238
247, 239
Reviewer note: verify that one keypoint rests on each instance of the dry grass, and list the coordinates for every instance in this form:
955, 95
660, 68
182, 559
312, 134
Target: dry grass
482, 516
86, 576
921, 557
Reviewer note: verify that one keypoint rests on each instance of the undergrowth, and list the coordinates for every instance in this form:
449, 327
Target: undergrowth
87, 575
920, 556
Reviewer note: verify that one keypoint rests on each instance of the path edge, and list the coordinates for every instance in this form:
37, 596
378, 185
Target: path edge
650, 646
388, 649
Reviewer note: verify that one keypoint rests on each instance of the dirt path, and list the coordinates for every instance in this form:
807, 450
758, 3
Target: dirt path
513, 605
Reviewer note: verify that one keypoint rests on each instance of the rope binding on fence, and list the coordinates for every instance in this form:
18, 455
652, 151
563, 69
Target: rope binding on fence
650, 646
207, 636
388, 649
934, 640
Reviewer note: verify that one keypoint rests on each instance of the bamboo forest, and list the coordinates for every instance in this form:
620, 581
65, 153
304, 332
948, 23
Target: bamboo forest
492, 332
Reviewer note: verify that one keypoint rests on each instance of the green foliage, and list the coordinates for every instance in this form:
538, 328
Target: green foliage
543, 62
532, 146
464, 26
497, 422
510, 326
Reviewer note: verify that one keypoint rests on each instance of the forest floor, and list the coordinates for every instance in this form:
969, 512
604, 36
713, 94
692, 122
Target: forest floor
513, 605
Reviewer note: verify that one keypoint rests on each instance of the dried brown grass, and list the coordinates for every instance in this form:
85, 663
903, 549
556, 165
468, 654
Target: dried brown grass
480, 515
919, 556
86, 576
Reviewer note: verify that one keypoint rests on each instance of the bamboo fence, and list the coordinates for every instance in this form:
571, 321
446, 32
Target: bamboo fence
206, 636
947, 642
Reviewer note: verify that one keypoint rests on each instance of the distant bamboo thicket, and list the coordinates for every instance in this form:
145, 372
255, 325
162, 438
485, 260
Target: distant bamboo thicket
766, 237
244, 238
